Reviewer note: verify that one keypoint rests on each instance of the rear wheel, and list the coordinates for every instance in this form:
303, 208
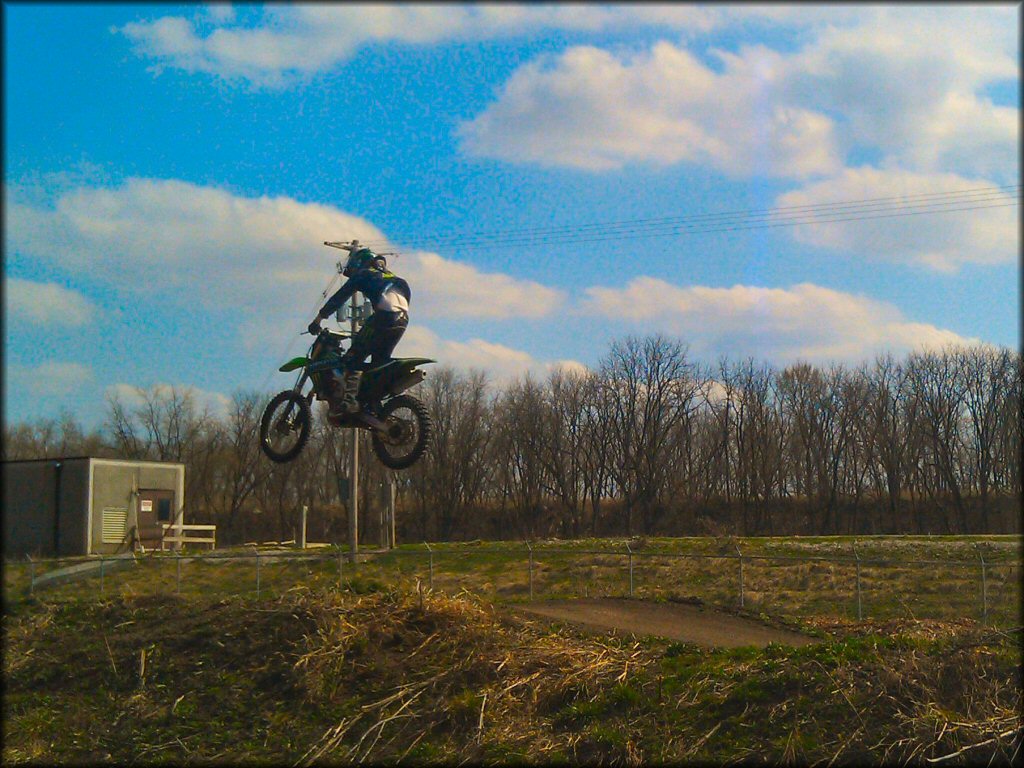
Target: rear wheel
285, 426
407, 434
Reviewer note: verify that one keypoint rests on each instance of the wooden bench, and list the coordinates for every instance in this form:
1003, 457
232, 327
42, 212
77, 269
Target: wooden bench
182, 538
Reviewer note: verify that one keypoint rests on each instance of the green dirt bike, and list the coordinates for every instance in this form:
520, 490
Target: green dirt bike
399, 424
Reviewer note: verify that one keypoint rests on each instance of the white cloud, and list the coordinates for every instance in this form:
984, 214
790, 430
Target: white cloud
804, 321
295, 40
299, 40
46, 303
262, 256
938, 241
501, 363
447, 288
133, 397
219, 13
590, 109
907, 83
46, 380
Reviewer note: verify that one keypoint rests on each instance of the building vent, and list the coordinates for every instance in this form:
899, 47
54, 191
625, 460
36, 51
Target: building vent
115, 523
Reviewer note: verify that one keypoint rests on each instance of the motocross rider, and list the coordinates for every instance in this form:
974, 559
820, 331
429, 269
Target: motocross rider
389, 295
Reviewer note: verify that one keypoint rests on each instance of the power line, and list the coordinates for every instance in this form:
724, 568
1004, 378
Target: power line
729, 221
629, 235
748, 213
683, 228
797, 214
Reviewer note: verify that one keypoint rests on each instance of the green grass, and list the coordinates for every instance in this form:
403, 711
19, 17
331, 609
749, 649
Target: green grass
415, 676
500, 572
236, 679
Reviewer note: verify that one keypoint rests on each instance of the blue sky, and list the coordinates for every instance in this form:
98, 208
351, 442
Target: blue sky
171, 173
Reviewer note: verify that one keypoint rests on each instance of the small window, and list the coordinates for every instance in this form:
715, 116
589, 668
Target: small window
163, 510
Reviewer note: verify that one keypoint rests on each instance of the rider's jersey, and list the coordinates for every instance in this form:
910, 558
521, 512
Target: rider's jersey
386, 291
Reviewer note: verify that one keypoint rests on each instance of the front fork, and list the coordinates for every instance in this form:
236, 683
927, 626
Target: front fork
300, 383
287, 421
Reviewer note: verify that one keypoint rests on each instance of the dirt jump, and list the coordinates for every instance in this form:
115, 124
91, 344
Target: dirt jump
676, 621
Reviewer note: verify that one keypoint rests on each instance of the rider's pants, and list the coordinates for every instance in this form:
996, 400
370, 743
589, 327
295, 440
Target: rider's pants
377, 338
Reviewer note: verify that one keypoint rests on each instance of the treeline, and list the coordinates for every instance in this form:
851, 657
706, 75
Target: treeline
649, 442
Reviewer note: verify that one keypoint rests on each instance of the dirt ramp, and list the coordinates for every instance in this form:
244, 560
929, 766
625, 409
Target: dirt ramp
676, 621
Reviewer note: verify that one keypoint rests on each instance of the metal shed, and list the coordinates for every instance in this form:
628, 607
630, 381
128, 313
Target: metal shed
83, 505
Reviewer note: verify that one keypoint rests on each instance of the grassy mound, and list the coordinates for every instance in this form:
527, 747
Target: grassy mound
383, 674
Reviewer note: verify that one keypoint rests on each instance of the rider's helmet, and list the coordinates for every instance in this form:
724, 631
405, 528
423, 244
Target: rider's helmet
358, 261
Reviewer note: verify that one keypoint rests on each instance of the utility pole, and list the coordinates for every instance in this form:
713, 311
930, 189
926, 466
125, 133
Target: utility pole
391, 514
353, 470
355, 315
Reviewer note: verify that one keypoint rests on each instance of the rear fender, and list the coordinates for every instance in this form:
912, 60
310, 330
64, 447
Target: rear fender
392, 378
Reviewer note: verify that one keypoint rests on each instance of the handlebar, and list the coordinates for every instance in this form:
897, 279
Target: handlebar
339, 334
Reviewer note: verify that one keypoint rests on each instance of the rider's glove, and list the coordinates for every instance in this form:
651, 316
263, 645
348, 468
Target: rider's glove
314, 327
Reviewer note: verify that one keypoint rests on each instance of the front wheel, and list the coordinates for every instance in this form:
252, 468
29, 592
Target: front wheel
284, 428
407, 434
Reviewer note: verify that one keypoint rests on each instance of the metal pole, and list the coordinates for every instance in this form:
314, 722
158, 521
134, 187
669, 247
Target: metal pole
860, 611
630, 551
382, 538
740, 555
341, 566
305, 510
393, 540
984, 589
353, 473
101, 574
257, 574
31, 574
530, 546
177, 557
431, 564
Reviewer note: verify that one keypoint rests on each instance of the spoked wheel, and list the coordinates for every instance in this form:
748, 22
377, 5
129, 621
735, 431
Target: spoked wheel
408, 432
284, 428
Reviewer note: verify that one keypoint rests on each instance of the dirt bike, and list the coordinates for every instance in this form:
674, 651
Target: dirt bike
399, 424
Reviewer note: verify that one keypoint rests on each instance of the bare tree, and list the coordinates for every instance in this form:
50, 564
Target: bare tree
987, 374
563, 444
941, 389
450, 479
651, 386
519, 431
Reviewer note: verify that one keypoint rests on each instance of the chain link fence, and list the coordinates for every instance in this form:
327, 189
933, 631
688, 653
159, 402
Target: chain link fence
985, 587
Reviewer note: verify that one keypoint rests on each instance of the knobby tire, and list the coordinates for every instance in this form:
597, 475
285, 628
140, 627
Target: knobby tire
424, 424
304, 421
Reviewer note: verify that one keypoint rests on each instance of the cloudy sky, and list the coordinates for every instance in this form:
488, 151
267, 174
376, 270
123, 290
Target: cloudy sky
814, 183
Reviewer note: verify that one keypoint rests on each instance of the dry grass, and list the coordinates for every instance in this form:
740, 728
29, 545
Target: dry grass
455, 668
378, 673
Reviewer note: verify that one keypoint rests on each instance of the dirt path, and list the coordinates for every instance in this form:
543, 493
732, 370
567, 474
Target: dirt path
676, 621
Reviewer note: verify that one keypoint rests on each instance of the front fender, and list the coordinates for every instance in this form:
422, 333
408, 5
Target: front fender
294, 364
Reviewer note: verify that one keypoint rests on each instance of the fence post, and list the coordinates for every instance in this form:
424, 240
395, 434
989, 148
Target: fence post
740, 556
431, 554
630, 551
860, 611
984, 587
530, 547
257, 574
101, 574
